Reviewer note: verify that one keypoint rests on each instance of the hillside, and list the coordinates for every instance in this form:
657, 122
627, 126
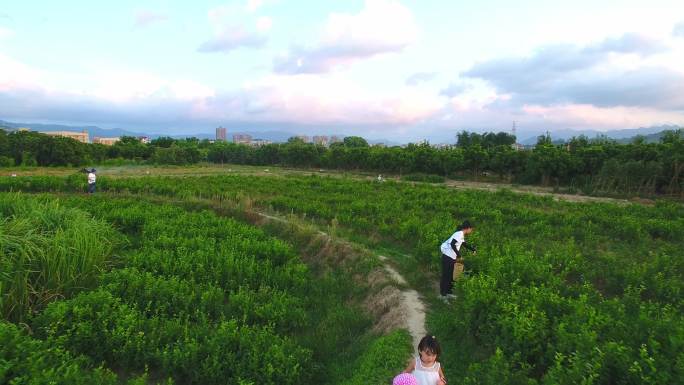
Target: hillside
622, 136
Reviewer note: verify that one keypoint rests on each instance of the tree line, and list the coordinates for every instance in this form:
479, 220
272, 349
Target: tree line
589, 165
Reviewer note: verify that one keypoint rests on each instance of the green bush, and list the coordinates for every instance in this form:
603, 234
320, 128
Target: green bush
47, 252
104, 328
428, 178
559, 292
24, 360
386, 357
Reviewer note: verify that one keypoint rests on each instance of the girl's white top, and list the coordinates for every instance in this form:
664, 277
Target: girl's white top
426, 375
91, 178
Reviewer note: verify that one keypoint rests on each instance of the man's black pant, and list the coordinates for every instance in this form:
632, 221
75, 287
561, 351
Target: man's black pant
447, 275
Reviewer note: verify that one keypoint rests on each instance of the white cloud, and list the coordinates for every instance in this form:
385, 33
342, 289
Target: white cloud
129, 86
145, 18
125, 86
620, 82
533, 119
16, 75
130, 96
587, 115
627, 81
218, 15
231, 38
381, 23
678, 30
264, 24
253, 5
630, 70
5, 33
231, 30
118, 86
455, 89
382, 26
420, 77
334, 100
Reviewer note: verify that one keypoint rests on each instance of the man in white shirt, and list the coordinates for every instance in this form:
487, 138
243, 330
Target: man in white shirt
91, 181
451, 251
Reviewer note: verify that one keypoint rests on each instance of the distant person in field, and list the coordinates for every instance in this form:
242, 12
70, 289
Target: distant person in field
91, 181
425, 367
451, 252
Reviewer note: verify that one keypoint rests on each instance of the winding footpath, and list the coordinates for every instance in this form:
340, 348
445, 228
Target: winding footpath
413, 306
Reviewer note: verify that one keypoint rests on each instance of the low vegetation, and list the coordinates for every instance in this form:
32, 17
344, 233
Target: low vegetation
558, 292
592, 166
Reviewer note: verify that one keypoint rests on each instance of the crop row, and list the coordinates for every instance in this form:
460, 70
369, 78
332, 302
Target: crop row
560, 292
192, 297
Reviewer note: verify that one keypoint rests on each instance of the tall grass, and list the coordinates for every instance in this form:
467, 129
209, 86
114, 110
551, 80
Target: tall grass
47, 252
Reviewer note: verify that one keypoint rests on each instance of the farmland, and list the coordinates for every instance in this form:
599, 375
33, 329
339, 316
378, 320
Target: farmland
591, 166
182, 296
559, 292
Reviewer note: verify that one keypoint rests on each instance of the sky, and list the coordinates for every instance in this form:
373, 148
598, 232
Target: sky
399, 70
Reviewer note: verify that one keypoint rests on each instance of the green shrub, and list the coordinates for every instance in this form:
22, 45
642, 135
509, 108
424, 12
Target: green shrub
386, 357
47, 252
24, 360
6, 161
427, 178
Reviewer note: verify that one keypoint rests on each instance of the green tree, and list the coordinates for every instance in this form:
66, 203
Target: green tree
475, 158
502, 160
129, 147
486, 140
451, 160
267, 154
355, 141
163, 141
300, 154
549, 162
673, 156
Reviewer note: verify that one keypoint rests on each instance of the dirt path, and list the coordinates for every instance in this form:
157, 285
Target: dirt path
534, 190
413, 308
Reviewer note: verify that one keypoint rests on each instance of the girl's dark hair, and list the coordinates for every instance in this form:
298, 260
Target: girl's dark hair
429, 344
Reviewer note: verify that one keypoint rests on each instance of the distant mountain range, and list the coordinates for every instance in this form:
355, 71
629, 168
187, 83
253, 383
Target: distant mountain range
650, 138
93, 131
652, 134
622, 136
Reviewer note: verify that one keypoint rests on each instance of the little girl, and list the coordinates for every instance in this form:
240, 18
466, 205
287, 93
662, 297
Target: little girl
425, 367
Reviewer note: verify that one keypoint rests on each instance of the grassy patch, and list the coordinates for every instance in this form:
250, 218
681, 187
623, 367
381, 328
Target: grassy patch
48, 252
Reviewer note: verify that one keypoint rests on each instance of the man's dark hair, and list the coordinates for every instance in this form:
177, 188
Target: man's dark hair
465, 225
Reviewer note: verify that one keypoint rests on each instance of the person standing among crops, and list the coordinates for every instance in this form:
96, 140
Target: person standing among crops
451, 252
425, 367
91, 181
